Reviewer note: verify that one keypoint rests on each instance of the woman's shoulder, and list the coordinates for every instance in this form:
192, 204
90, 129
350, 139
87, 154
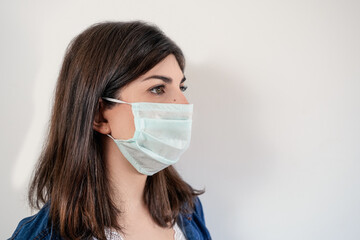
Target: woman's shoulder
37, 226
193, 224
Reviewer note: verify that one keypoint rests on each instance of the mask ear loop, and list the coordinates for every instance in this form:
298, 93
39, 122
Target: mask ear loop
110, 137
114, 100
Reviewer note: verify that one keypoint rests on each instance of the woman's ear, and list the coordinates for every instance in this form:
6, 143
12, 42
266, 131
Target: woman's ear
100, 124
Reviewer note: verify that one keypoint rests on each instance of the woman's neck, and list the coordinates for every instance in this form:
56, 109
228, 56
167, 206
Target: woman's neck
128, 186
126, 182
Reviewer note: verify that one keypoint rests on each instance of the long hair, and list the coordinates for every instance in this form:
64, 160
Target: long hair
71, 173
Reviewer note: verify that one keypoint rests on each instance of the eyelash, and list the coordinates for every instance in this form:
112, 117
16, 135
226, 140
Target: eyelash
183, 89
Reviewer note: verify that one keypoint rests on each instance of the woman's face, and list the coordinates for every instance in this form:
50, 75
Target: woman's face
164, 83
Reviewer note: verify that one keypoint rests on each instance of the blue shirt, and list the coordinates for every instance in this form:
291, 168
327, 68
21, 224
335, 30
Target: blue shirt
39, 227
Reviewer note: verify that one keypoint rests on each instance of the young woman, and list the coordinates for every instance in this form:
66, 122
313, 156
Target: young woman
119, 121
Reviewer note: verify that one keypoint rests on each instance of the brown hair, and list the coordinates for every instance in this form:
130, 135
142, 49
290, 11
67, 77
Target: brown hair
71, 173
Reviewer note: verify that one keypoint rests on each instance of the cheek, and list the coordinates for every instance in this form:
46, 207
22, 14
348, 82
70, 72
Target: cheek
122, 124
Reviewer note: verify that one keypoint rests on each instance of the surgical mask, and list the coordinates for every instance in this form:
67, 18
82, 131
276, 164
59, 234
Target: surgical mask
162, 134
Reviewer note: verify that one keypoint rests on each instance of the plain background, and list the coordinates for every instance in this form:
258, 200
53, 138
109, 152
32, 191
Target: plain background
275, 87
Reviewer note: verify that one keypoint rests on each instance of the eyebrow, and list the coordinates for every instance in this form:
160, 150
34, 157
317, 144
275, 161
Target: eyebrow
165, 79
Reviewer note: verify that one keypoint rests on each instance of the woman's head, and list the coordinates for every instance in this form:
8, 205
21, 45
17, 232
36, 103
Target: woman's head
164, 83
101, 61
106, 60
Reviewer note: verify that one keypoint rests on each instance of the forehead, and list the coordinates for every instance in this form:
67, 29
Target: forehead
168, 67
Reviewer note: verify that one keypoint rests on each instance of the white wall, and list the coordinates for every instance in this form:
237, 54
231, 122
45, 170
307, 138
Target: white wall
275, 87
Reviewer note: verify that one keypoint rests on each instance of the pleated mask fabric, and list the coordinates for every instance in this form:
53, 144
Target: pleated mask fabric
162, 135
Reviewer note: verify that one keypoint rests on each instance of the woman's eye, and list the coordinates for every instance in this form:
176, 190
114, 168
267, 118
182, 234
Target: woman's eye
158, 90
183, 88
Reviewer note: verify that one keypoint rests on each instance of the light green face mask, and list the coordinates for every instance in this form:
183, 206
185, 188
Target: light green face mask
162, 134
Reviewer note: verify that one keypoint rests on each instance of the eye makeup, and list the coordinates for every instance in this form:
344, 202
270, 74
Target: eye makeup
160, 89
